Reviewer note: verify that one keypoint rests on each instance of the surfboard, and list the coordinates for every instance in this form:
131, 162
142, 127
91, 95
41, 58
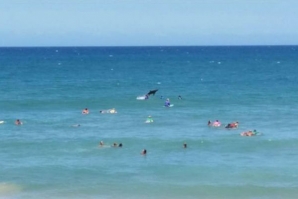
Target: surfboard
141, 97
171, 105
148, 121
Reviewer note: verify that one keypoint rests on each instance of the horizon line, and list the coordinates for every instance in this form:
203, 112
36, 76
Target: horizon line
153, 46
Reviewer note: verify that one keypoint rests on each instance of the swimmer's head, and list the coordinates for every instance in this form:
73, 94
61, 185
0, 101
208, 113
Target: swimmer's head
144, 152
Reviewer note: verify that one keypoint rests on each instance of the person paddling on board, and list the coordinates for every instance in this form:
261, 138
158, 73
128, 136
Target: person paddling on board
144, 152
209, 123
85, 111
232, 125
167, 103
149, 119
250, 133
216, 123
18, 122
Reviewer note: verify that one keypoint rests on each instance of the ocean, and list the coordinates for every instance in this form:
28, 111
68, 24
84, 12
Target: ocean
49, 156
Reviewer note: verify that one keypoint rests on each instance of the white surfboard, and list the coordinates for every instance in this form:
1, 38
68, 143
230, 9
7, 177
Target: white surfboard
148, 121
171, 105
142, 97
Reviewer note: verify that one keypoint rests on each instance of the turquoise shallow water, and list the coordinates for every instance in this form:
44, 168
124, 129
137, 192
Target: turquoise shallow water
47, 88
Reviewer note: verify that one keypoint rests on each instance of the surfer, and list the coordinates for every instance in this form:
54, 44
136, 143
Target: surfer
209, 123
249, 133
113, 110
149, 119
216, 123
146, 96
85, 111
101, 143
144, 152
179, 97
18, 122
184, 145
232, 125
167, 103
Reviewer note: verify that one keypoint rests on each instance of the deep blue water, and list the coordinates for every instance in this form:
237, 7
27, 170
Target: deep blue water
47, 88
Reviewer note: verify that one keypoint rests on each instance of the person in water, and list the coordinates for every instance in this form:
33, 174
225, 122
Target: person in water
216, 123
120, 145
167, 103
146, 96
113, 110
184, 145
249, 133
144, 152
18, 122
101, 143
149, 119
209, 123
179, 97
85, 111
232, 125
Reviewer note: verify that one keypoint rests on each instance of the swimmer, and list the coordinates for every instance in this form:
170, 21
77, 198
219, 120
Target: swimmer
146, 96
112, 110
120, 145
149, 119
216, 123
249, 133
101, 143
209, 123
144, 152
167, 103
232, 125
18, 122
179, 97
115, 144
85, 111
184, 145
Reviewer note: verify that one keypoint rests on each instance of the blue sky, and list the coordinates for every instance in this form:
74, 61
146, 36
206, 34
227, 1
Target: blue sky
148, 22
